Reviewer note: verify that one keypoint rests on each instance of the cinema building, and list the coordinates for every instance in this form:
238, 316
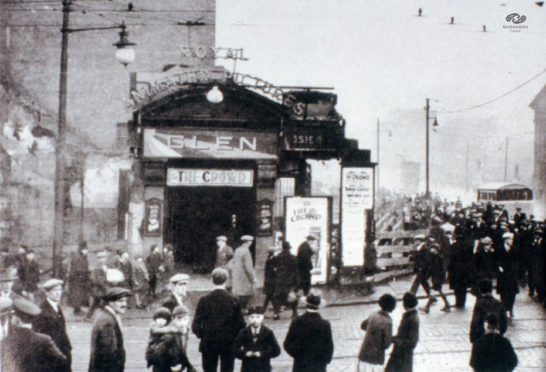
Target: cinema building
228, 154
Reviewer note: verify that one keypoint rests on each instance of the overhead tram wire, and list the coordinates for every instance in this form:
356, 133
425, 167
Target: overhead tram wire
496, 98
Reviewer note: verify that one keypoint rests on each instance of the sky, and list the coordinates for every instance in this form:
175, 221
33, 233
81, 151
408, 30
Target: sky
384, 61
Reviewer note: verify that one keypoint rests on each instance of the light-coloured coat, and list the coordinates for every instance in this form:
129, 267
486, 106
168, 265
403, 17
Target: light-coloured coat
378, 338
242, 272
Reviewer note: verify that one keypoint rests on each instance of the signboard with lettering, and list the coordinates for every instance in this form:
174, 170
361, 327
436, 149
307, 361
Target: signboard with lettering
198, 143
356, 197
264, 215
210, 177
313, 138
306, 216
151, 225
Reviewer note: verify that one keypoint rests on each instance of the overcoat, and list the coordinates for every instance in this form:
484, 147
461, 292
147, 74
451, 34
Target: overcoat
309, 342
165, 349
460, 266
401, 359
305, 264
265, 343
52, 323
493, 353
79, 283
107, 350
223, 256
242, 272
484, 306
378, 338
24, 350
507, 279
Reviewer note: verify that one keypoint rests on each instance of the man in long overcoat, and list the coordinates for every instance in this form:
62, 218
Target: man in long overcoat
99, 283
107, 350
26, 350
286, 279
51, 321
217, 322
305, 263
79, 282
460, 268
507, 277
309, 339
401, 359
243, 277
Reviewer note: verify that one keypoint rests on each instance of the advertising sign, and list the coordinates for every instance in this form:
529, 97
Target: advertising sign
264, 217
152, 220
309, 216
356, 198
210, 177
221, 144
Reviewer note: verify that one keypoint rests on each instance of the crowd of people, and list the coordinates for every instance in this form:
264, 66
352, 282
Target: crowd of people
474, 250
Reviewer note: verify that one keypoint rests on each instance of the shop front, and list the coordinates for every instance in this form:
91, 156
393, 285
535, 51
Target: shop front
236, 163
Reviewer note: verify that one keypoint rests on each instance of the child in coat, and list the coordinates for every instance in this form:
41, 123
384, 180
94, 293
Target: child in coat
165, 351
256, 344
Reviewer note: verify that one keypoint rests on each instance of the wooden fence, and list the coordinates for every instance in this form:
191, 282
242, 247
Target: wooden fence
394, 250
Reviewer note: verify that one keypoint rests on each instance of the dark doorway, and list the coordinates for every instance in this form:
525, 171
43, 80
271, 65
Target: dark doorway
197, 215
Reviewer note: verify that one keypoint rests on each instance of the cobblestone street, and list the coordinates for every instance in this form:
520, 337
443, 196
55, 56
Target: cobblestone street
443, 344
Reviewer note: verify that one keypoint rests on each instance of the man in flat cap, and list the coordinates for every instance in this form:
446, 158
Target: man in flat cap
309, 339
224, 253
107, 350
305, 263
243, 276
217, 322
26, 350
51, 321
178, 285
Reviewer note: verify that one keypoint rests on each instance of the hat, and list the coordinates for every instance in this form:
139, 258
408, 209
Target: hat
180, 278
221, 238
8, 276
447, 227
486, 240
102, 254
180, 310
116, 293
247, 238
5, 304
256, 310
311, 237
164, 313
420, 236
25, 309
52, 283
508, 235
313, 299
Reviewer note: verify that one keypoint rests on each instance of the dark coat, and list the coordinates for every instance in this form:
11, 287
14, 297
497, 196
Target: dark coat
32, 275
79, 281
421, 261
460, 266
401, 359
286, 265
309, 342
170, 303
378, 338
485, 305
507, 279
484, 264
25, 350
270, 270
266, 344
305, 253
165, 350
107, 351
51, 323
218, 317
493, 353
437, 271
100, 284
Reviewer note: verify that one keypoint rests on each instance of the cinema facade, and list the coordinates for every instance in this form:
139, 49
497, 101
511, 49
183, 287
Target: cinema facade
228, 154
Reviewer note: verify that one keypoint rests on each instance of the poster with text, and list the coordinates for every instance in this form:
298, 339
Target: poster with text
309, 216
356, 197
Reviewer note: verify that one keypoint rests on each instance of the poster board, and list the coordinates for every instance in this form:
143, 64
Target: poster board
357, 195
310, 216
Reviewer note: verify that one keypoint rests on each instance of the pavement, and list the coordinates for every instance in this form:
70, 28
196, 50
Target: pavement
443, 338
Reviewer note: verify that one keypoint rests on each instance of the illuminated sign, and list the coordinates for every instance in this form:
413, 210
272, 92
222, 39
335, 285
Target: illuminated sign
191, 143
210, 177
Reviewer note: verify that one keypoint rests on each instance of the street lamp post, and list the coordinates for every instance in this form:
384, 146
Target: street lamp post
427, 150
125, 55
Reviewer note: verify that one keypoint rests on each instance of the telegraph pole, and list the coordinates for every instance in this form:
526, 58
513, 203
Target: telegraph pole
377, 156
506, 160
427, 150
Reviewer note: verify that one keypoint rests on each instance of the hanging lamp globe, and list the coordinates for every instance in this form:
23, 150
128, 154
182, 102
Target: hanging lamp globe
125, 53
215, 95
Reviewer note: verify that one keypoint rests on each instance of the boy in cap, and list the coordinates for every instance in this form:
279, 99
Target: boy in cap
26, 350
164, 350
178, 286
181, 320
309, 338
107, 350
51, 321
401, 359
378, 327
256, 344
493, 352
224, 252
